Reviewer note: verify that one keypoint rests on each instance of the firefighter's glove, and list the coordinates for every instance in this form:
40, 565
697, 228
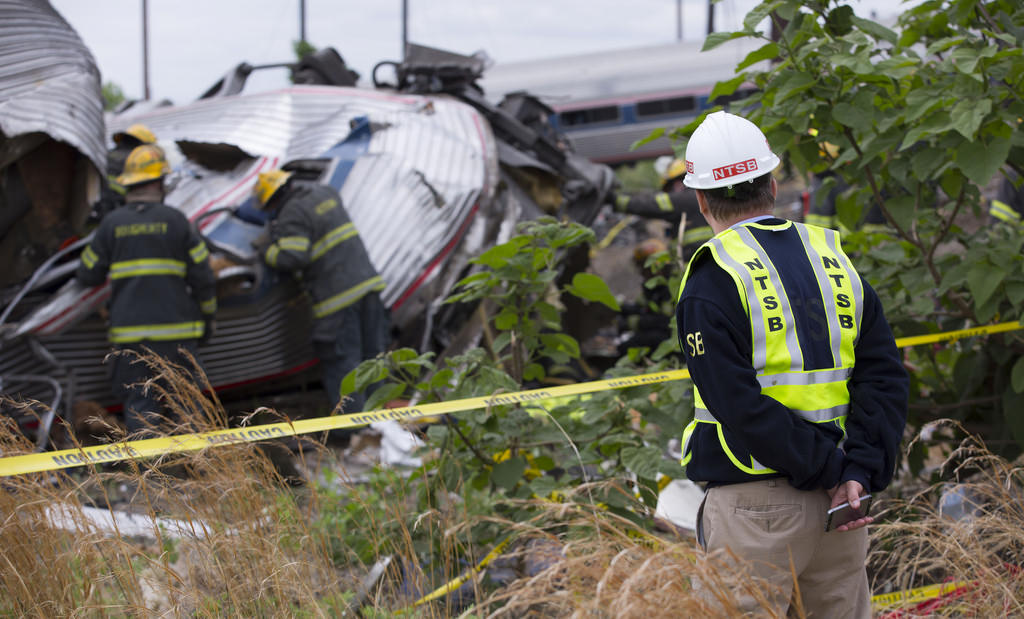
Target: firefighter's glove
262, 242
209, 326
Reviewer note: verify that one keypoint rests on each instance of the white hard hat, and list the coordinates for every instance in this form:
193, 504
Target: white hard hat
726, 150
662, 163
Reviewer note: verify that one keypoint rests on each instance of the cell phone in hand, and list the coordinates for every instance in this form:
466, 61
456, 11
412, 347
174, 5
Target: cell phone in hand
845, 513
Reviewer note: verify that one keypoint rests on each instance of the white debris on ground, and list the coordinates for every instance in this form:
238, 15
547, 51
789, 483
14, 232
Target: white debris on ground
398, 446
678, 503
122, 523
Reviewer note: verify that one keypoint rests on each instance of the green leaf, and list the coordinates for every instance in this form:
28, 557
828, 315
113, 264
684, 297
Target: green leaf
533, 371
499, 255
502, 341
791, 84
1017, 376
561, 342
715, 39
902, 210
727, 87
983, 280
767, 51
643, 461
967, 116
848, 210
757, 14
980, 160
652, 136
839, 21
506, 319
383, 395
926, 162
507, 473
875, 29
937, 122
855, 117
590, 287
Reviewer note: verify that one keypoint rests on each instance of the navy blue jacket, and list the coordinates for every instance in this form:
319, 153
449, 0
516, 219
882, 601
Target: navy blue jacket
802, 452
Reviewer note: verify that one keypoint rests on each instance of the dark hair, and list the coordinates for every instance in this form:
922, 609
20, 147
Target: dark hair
750, 196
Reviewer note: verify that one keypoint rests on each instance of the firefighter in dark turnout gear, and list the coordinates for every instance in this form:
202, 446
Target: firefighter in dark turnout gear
313, 235
163, 294
670, 204
800, 395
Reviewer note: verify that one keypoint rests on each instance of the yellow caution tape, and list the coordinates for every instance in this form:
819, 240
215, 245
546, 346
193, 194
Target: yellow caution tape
920, 594
455, 583
151, 447
949, 336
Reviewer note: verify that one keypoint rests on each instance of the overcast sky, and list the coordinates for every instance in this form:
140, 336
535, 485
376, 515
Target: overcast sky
192, 43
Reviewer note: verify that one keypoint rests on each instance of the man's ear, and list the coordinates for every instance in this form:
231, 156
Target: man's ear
703, 202
774, 187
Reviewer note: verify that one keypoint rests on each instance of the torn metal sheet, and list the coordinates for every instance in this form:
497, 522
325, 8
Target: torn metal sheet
51, 135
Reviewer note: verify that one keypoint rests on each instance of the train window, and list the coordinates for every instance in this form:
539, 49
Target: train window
588, 116
658, 107
725, 100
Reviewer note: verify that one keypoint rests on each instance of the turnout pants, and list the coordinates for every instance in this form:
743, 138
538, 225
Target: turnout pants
131, 375
780, 531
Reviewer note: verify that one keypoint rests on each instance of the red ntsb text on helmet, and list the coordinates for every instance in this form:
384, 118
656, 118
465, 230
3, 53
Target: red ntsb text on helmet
735, 169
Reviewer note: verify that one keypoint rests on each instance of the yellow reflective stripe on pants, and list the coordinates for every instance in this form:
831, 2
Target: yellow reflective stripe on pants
175, 331
347, 297
148, 266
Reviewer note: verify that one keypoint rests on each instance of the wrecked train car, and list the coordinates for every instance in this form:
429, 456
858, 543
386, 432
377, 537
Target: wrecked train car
51, 160
430, 172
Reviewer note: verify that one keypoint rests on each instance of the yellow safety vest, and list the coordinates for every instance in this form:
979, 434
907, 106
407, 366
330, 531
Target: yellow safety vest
817, 396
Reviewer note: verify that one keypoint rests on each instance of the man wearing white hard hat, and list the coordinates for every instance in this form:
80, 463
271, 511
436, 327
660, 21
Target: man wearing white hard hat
799, 392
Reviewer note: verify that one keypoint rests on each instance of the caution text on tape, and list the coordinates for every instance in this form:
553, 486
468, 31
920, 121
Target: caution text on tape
152, 447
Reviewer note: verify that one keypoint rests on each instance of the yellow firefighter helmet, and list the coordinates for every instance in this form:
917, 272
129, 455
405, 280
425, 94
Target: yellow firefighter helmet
138, 132
674, 170
144, 164
267, 184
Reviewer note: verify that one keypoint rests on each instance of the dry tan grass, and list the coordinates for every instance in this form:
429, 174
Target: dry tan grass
249, 546
917, 545
245, 548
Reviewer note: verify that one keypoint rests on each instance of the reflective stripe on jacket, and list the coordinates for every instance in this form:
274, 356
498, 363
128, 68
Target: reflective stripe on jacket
313, 234
161, 282
819, 395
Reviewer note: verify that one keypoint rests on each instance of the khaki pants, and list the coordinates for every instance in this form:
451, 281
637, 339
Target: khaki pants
781, 531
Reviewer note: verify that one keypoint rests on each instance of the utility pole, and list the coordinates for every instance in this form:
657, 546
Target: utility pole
679, 20
711, 16
145, 50
405, 26
302, 20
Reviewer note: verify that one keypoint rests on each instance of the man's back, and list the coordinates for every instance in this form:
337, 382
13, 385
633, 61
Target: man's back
313, 234
158, 270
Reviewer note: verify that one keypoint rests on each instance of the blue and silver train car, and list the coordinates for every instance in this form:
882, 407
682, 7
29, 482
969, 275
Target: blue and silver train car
606, 101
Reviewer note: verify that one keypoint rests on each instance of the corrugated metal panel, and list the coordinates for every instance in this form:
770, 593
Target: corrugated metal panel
429, 163
48, 79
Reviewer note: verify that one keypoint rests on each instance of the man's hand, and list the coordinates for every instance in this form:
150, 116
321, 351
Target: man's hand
849, 491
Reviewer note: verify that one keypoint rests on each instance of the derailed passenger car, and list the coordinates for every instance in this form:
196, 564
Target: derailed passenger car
429, 171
